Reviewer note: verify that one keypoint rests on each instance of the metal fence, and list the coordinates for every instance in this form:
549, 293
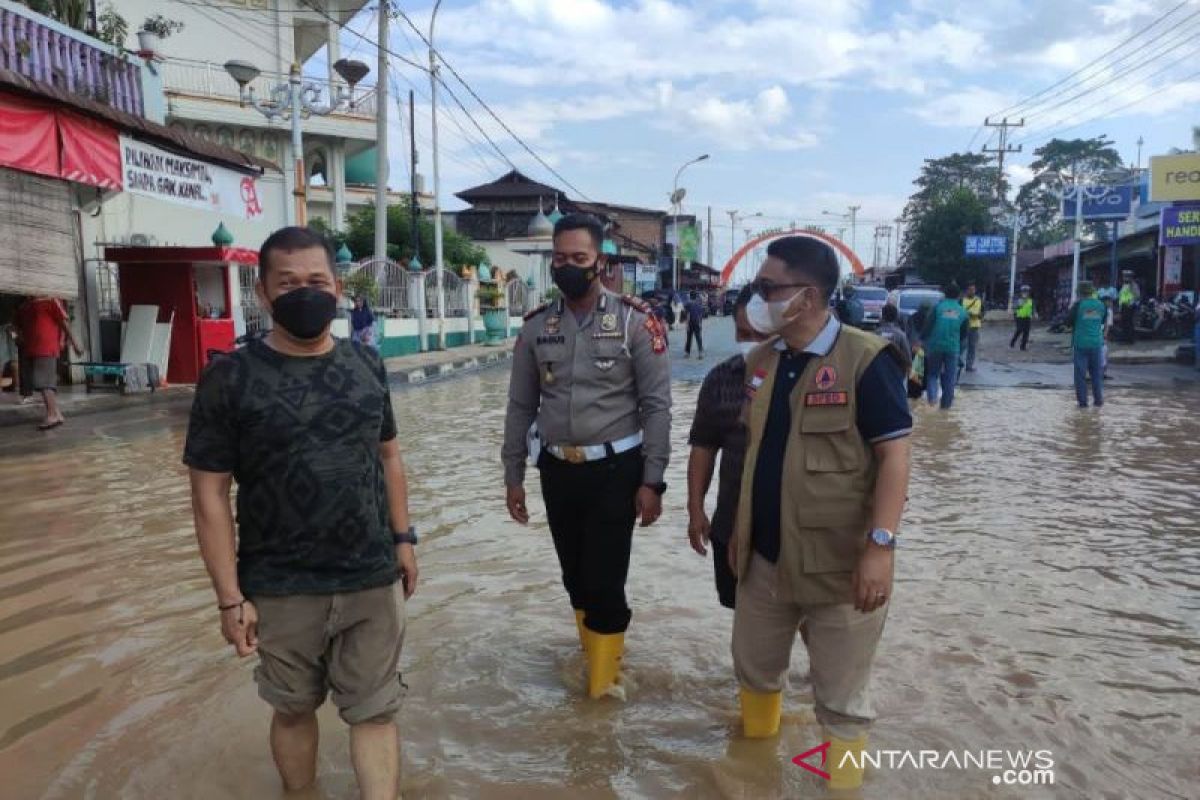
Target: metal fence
252, 312
392, 282
455, 290
108, 291
517, 294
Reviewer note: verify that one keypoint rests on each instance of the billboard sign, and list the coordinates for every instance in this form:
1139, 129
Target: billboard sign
150, 171
1175, 177
986, 245
1115, 203
1180, 225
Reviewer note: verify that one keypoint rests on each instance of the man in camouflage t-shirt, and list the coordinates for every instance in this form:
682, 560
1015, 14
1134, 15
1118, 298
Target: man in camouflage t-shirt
304, 424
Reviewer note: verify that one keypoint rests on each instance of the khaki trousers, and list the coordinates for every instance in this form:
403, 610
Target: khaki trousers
841, 647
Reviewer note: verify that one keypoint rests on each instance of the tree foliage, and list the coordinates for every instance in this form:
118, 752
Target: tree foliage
941, 178
936, 242
1040, 200
457, 250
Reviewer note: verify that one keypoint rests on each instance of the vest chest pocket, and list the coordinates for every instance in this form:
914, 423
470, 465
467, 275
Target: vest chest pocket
829, 443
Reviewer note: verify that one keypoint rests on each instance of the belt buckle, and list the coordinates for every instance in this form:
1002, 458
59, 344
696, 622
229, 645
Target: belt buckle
574, 455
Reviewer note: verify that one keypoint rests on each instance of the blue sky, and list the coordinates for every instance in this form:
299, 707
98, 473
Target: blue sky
803, 105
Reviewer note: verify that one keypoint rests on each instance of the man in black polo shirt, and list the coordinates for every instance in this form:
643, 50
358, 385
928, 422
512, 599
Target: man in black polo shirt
303, 423
827, 472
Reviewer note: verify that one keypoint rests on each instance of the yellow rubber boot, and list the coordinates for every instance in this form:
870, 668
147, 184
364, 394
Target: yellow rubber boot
760, 713
847, 775
604, 651
582, 630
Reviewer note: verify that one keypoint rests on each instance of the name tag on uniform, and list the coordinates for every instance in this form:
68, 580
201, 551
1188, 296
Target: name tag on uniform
560, 339
826, 399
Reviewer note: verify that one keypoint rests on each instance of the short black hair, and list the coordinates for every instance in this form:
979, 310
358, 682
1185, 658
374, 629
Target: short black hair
743, 298
890, 313
952, 291
289, 240
582, 222
811, 258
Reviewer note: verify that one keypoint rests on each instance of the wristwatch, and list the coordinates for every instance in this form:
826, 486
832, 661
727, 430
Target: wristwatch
883, 538
659, 488
408, 537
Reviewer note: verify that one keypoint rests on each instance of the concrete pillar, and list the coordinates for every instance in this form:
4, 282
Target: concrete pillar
336, 166
334, 48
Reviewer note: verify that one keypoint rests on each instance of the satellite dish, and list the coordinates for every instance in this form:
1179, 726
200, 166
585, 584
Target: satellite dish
677, 196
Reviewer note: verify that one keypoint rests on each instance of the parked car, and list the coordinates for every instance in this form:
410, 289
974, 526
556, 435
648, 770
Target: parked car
910, 301
873, 299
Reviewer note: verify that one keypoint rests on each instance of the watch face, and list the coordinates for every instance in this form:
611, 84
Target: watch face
881, 537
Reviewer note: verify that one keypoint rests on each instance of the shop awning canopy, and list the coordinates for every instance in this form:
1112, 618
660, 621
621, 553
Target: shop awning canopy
181, 255
51, 131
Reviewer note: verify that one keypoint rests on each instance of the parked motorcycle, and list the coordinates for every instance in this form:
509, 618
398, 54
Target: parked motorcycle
1161, 319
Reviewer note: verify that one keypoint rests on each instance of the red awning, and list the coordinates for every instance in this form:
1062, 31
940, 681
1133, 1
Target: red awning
90, 152
28, 137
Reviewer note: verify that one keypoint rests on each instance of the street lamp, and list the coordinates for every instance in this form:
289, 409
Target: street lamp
295, 100
677, 196
1078, 187
1015, 220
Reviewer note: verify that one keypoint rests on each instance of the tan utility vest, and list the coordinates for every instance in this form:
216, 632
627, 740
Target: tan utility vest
828, 469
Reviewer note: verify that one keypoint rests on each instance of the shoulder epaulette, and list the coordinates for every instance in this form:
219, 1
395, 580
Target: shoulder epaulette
536, 311
636, 303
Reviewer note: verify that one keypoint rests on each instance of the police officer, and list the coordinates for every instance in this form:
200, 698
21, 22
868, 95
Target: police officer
824, 484
592, 370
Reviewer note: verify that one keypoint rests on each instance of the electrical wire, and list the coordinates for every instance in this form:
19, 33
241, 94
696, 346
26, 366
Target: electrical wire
489, 110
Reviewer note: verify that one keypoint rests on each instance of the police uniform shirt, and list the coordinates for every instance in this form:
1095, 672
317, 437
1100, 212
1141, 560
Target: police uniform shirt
882, 414
590, 381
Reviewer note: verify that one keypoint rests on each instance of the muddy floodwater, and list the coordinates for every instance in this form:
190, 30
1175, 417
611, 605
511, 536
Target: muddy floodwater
1048, 598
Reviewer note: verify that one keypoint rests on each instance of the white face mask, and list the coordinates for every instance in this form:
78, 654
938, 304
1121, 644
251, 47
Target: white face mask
746, 347
767, 318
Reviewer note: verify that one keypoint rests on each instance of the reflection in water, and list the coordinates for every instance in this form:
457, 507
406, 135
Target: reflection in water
1047, 598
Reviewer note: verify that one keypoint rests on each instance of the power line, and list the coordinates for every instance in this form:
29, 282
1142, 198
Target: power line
1186, 37
1118, 109
364, 38
1109, 97
488, 109
246, 10
1021, 103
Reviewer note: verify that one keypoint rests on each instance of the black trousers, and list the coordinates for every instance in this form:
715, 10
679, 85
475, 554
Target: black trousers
694, 331
725, 579
1022, 332
592, 511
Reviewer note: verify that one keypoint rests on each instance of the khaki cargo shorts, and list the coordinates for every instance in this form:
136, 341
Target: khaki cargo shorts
345, 645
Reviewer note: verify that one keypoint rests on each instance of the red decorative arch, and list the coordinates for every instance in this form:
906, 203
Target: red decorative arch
837, 244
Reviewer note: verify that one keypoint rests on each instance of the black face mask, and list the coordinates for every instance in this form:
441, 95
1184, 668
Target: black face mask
574, 282
305, 313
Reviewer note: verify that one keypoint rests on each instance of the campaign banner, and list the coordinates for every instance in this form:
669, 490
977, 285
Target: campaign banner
151, 171
1179, 225
1115, 203
986, 245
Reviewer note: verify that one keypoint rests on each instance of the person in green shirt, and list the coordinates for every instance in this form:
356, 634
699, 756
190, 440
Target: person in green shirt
1086, 319
942, 337
1024, 317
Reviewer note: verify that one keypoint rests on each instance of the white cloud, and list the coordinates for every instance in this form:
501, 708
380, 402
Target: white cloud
963, 108
762, 122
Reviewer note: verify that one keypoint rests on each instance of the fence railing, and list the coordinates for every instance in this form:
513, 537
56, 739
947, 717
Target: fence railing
454, 289
207, 79
75, 62
392, 284
517, 294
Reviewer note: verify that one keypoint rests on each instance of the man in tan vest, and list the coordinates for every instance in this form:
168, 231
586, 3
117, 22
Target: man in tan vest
824, 485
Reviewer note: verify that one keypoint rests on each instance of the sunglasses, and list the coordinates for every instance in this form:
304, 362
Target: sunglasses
767, 289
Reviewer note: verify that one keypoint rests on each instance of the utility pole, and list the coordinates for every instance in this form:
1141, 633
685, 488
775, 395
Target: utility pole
381, 136
854, 227
437, 187
1140, 142
732, 232
415, 214
1002, 150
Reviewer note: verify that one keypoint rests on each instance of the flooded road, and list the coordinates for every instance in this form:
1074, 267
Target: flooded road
1047, 598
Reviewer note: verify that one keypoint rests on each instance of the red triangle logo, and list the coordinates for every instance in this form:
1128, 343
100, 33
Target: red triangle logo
801, 760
